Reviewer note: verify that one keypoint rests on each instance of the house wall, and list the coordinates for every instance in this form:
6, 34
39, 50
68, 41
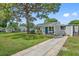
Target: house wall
22, 28
57, 29
56, 26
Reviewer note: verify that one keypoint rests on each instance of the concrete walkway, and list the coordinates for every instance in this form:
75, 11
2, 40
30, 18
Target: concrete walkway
48, 48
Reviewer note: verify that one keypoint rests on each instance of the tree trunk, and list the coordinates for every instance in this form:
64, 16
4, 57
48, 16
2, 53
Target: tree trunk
17, 19
26, 8
27, 23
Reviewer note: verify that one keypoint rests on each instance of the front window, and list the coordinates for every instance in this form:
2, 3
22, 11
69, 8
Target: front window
49, 28
63, 27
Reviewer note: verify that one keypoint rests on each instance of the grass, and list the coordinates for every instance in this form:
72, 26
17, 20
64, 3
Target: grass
11, 43
71, 47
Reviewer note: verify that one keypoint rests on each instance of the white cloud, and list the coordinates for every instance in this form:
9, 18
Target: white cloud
74, 14
66, 14
70, 14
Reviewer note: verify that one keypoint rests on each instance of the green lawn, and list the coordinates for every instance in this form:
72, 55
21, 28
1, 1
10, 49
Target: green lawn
71, 47
11, 43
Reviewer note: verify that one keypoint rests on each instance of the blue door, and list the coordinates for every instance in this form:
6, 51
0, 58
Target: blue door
46, 30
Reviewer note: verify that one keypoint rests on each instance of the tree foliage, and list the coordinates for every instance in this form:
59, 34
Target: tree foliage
5, 11
50, 20
74, 22
3, 23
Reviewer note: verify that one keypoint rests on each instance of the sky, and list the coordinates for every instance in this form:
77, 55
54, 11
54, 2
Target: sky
67, 13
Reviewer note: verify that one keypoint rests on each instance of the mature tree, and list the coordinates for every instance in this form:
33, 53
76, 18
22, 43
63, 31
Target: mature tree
39, 9
74, 22
8, 11
5, 14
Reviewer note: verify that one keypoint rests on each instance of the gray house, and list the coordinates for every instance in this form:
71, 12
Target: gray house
55, 28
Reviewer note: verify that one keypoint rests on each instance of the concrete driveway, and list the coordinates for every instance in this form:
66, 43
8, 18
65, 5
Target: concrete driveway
48, 48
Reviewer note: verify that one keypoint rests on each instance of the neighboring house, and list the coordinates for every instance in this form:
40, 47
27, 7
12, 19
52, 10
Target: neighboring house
9, 30
72, 30
22, 28
2, 29
55, 28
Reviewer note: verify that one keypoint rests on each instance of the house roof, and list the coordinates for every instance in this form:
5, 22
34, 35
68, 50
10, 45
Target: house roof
40, 25
48, 24
73, 25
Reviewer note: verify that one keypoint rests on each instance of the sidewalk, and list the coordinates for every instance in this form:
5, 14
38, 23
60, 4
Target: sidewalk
48, 48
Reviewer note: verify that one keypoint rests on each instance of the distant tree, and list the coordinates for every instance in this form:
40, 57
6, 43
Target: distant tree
50, 20
47, 19
74, 22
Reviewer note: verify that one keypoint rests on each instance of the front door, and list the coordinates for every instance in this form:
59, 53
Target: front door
46, 30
